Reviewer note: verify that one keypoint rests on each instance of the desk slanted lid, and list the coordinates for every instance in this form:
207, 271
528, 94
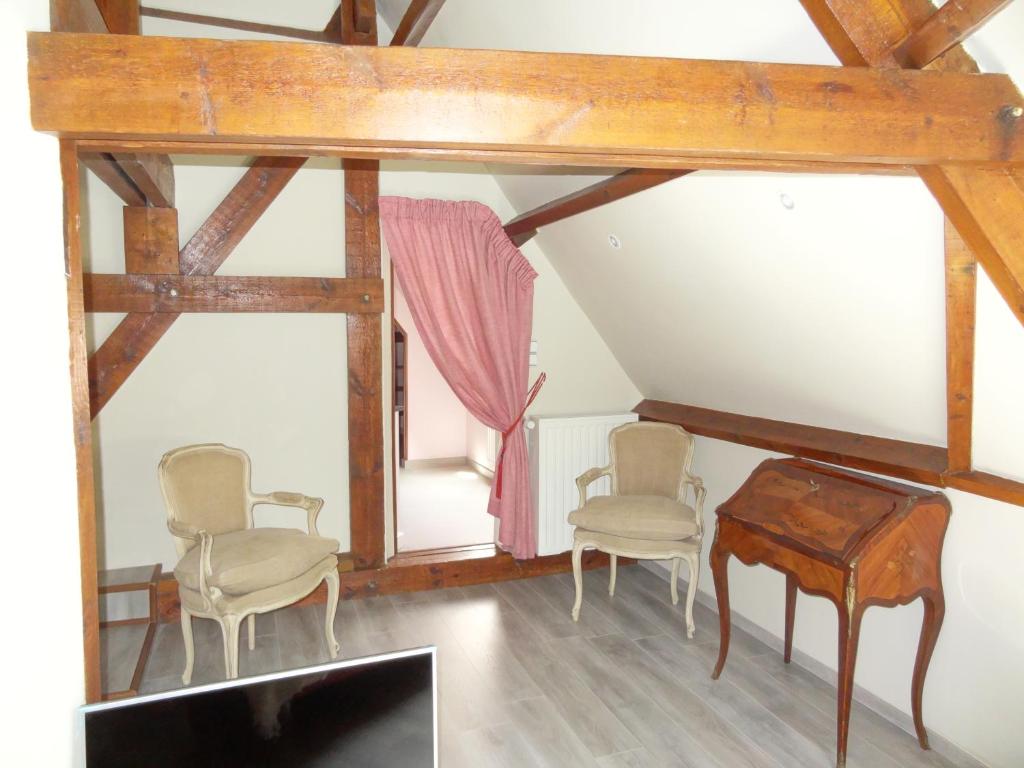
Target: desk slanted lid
816, 506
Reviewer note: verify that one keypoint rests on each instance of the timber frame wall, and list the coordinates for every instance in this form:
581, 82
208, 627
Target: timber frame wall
660, 118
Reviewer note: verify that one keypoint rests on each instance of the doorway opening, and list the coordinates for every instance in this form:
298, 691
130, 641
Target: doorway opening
444, 457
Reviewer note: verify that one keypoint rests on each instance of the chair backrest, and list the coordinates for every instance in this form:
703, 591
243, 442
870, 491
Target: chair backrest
649, 459
206, 486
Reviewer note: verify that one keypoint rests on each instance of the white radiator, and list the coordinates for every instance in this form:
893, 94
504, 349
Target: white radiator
562, 449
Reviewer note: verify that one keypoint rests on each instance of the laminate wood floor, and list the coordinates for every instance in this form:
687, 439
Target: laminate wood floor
520, 684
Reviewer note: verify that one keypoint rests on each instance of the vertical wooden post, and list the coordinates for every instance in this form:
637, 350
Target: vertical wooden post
81, 418
365, 374
150, 240
961, 292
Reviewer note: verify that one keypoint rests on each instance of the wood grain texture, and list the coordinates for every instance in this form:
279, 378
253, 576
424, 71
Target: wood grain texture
523, 227
223, 293
416, 21
412, 98
365, 371
150, 241
985, 205
584, 159
787, 515
152, 174
213, 242
310, 35
961, 301
120, 16
76, 16
897, 458
917, 462
71, 178
110, 173
952, 23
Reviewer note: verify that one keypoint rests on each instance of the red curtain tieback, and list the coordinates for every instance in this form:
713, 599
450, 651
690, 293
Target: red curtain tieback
505, 435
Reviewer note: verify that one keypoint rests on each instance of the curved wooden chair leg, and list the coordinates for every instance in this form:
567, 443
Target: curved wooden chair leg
613, 572
577, 576
190, 647
720, 572
674, 583
333, 588
229, 626
934, 612
693, 561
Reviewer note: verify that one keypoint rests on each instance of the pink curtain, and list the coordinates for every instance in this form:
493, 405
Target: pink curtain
470, 293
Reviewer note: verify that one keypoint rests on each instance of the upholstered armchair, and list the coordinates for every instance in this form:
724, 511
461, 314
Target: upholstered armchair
228, 570
646, 516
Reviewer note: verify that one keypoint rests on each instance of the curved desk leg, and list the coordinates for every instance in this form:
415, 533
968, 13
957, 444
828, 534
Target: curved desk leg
849, 634
934, 611
790, 615
720, 572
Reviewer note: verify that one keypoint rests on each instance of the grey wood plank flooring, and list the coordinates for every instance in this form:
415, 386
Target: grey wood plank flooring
521, 685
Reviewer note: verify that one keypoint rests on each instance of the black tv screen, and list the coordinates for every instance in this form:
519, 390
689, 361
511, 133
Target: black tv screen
368, 712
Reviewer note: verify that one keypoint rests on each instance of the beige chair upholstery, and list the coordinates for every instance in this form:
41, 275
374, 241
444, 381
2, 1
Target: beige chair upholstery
229, 570
647, 515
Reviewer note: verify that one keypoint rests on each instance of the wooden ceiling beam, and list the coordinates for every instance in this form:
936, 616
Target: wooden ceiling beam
961, 301
76, 16
110, 173
213, 242
309, 35
986, 205
523, 227
120, 16
228, 293
428, 99
950, 25
416, 21
581, 159
152, 174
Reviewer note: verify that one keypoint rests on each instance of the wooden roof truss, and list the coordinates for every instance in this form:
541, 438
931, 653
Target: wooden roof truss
907, 100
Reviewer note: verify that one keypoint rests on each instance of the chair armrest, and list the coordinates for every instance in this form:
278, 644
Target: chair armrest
204, 540
587, 478
311, 504
699, 492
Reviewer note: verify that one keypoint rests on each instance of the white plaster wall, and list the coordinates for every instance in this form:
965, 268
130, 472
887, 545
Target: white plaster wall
437, 419
274, 384
40, 589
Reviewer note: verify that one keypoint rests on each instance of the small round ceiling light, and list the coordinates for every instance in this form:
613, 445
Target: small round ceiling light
614, 242
787, 201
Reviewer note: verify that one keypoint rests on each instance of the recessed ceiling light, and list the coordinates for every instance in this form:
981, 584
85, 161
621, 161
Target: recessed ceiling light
614, 242
787, 201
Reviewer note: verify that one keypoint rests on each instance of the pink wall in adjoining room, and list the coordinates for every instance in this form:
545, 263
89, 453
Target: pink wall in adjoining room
437, 420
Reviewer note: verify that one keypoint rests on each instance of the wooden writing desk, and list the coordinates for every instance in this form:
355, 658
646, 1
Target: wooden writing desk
854, 539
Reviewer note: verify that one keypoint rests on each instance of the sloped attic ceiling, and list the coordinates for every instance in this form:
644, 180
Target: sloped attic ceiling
806, 298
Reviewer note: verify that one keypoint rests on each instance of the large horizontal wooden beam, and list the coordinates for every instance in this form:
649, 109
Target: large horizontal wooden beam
523, 227
86, 86
582, 159
228, 293
916, 462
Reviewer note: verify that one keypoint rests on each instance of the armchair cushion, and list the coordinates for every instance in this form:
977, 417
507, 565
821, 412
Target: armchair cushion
248, 561
637, 517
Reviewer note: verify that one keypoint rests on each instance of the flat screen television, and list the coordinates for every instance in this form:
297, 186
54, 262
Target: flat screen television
367, 712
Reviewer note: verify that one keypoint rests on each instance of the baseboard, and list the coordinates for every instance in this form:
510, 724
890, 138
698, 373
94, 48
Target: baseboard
894, 715
481, 470
449, 461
